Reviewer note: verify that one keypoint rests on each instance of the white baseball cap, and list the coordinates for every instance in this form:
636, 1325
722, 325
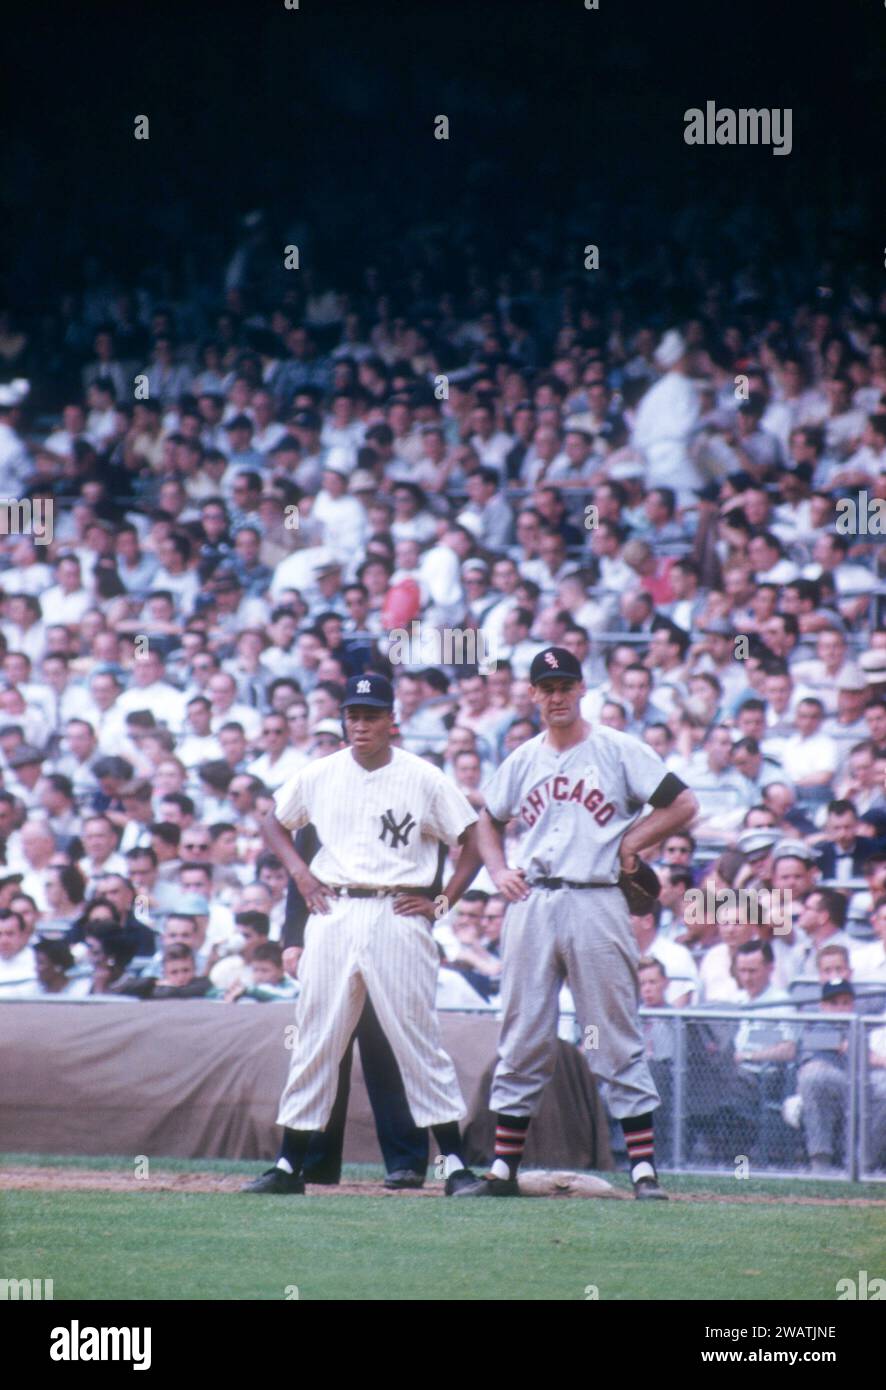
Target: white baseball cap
671, 348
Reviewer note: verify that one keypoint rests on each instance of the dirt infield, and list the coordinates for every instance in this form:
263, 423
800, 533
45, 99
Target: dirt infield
45, 1179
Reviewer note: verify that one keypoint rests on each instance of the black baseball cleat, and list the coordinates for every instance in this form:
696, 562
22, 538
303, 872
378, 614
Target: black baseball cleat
484, 1187
276, 1182
460, 1183
403, 1178
648, 1190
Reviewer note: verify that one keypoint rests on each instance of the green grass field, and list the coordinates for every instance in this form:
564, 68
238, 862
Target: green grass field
171, 1245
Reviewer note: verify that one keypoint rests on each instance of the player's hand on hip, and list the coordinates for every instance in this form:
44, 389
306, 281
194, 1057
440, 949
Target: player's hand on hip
628, 858
315, 893
512, 885
408, 905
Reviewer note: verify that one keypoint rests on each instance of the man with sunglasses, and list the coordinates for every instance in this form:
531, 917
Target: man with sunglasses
279, 760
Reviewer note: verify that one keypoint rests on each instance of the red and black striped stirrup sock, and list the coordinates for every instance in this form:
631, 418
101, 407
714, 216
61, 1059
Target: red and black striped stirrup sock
639, 1139
510, 1140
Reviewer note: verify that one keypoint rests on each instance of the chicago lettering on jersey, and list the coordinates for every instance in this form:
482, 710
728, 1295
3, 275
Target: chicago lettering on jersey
561, 788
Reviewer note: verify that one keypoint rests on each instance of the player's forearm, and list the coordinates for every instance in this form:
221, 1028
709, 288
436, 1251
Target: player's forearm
466, 870
279, 842
660, 823
490, 841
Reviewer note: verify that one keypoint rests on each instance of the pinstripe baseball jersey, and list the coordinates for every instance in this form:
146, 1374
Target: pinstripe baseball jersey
378, 828
574, 807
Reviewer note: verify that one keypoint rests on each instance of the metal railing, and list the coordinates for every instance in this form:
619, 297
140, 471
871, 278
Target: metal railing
820, 1112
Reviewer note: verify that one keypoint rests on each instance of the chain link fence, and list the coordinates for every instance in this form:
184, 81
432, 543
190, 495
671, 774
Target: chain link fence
795, 1092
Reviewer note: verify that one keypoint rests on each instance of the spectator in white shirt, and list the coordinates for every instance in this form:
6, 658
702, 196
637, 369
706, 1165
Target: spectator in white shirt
809, 757
65, 601
341, 517
23, 628
278, 760
852, 582
102, 856
105, 715
766, 554
492, 446
541, 458
198, 743
869, 961
343, 429
677, 962
25, 770
864, 466
822, 674
616, 574
487, 515
149, 691
222, 691
440, 575
551, 566
53, 960
666, 419
18, 966
73, 428
412, 521
176, 575
80, 747
38, 850
252, 930
268, 431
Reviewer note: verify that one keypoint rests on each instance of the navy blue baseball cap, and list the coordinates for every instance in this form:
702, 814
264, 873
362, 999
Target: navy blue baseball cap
554, 663
369, 689
833, 989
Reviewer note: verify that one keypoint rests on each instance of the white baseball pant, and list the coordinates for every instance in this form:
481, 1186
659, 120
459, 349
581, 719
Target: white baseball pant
363, 945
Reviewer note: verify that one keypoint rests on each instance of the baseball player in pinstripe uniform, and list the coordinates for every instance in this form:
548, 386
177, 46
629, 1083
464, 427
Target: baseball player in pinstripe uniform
577, 792
380, 814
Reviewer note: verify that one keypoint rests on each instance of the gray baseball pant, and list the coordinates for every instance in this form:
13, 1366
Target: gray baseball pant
582, 936
824, 1090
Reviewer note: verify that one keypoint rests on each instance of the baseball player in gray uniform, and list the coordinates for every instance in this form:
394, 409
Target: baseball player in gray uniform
578, 792
380, 815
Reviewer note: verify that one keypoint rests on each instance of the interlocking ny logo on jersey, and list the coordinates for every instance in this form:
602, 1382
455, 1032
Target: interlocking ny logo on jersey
399, 833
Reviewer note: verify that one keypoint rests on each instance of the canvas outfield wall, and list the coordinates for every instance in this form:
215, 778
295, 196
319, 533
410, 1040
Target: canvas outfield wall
201, 1080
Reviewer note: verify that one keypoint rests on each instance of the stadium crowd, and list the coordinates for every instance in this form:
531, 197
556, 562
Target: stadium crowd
249, 501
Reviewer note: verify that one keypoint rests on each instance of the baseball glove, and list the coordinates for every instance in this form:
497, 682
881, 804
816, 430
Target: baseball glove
641, 888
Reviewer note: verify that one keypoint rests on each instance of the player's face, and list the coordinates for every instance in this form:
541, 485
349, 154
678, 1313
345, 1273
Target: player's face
368, 729
558, 700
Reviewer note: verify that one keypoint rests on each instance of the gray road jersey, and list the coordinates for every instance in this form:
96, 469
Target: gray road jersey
575, 806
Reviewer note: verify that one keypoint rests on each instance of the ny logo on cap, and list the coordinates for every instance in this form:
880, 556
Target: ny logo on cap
364, 688
552, 660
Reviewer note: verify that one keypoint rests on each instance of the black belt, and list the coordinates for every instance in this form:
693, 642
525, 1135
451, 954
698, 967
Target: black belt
568, 883
341, 891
